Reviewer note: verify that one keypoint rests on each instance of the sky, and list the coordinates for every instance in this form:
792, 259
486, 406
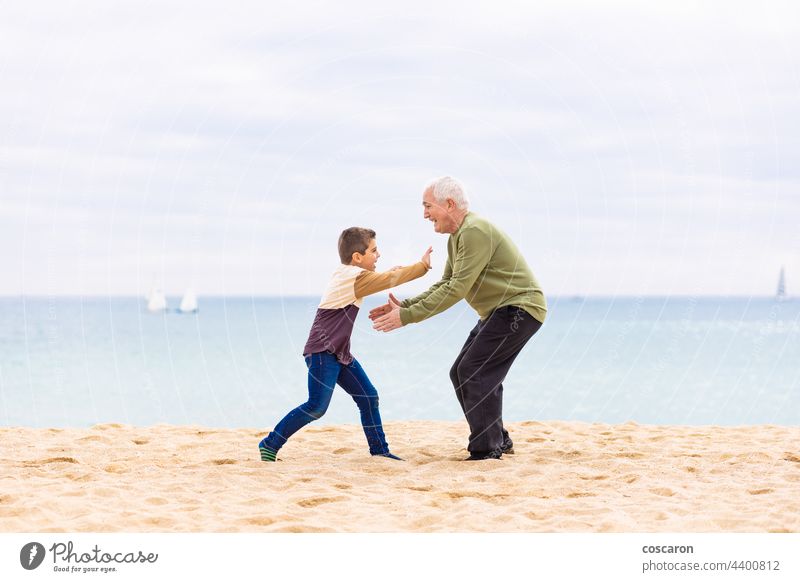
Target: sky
627, 148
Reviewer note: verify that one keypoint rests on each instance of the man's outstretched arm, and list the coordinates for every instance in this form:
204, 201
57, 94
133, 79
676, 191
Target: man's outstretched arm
472, 256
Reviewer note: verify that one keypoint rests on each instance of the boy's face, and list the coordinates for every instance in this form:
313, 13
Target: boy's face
368, 259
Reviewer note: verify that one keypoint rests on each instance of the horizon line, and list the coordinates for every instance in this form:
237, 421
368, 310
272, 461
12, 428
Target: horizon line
570, 296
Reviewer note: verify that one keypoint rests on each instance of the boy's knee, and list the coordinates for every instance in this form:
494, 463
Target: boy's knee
367, 401
367, 391
315, 409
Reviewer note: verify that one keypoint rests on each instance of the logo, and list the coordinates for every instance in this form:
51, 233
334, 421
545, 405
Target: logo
31, 555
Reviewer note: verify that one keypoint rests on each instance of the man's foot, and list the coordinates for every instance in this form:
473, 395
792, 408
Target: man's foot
267, 454
507, 448
388, 456
483, 456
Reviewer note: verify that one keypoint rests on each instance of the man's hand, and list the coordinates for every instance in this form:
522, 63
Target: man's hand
385, 308
389, 320
426, 258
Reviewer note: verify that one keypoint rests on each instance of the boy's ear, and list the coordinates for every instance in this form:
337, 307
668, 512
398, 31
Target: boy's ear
355, 257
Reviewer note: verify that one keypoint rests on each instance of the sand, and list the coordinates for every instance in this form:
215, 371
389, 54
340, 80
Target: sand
564, 477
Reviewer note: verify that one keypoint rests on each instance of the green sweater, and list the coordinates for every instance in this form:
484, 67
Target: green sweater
484, 267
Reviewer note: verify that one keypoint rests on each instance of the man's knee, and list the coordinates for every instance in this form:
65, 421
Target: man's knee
467, 370
454, 375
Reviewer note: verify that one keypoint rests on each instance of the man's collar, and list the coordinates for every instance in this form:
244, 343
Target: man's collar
463, 220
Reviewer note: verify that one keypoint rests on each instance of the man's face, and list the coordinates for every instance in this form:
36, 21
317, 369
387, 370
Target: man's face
438, 213
368, 259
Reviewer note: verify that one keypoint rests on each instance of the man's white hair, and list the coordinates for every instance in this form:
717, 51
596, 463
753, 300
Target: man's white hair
447, 187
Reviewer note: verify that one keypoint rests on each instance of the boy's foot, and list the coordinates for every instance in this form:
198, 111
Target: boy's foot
483, 456
388, 456
507, 448
267, 454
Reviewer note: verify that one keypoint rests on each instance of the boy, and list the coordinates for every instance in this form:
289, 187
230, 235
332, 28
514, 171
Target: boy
327, 351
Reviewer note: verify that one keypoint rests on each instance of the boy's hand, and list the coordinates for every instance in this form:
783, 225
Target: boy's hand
426, 258
385, 308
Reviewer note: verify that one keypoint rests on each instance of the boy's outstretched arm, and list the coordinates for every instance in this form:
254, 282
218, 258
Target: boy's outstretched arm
368, 283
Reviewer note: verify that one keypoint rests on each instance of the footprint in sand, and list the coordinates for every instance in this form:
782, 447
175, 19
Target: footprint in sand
40, 462
342, 451
224, 461
314, 501
105, 492
262, 521
759, 491
476, 495
59, 460
663, 492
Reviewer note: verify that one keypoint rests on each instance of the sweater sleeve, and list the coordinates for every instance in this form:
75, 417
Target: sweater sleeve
473, 251
448, 271
368, 283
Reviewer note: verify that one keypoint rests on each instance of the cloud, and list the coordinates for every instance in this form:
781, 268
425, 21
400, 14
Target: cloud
208, 140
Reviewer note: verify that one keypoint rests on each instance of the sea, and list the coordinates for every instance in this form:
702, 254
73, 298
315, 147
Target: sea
77, 362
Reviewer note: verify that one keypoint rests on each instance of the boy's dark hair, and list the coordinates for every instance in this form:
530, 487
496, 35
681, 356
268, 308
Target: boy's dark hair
354, 240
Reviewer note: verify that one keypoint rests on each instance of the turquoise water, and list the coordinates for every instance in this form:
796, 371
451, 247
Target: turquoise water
78, 362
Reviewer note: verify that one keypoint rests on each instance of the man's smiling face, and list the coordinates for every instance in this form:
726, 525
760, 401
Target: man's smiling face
438, 213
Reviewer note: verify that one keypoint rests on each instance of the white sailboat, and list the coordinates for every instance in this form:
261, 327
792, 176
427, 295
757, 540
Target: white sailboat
189, 302
156, 301
781, 293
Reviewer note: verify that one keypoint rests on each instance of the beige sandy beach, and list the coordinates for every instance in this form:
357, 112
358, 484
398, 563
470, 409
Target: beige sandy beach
564, 477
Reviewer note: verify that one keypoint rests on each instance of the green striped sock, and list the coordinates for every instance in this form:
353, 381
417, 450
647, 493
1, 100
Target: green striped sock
267, 454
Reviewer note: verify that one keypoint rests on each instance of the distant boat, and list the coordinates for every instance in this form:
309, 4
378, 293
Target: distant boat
781, 294
189, 302
156, 301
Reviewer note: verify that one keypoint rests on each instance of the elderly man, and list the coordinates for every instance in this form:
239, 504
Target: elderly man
485, 268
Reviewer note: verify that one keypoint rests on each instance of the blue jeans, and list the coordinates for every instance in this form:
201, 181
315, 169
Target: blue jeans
324, 372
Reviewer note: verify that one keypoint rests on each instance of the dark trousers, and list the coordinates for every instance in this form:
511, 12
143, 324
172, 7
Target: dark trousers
480, 368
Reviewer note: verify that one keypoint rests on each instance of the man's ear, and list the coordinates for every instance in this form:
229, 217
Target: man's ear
451, 204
